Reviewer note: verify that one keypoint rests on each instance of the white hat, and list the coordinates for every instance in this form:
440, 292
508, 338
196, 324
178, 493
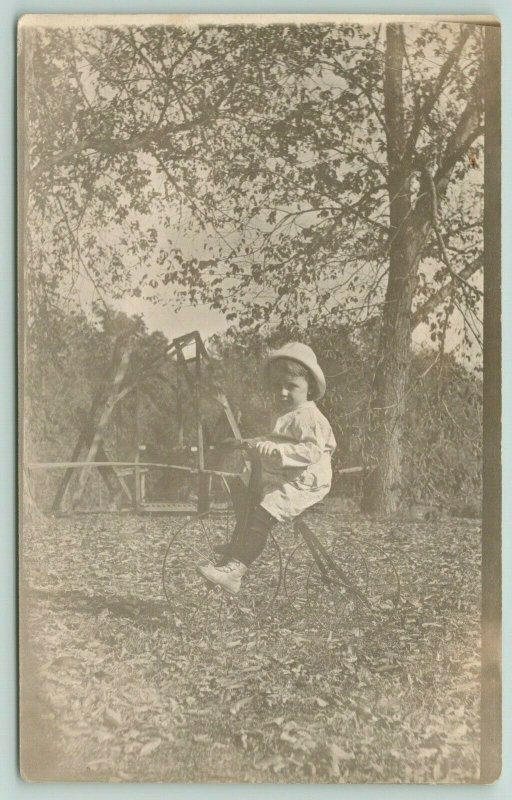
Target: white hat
302, 353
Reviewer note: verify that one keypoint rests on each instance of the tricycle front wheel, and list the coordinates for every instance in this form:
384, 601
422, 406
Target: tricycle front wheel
195, 603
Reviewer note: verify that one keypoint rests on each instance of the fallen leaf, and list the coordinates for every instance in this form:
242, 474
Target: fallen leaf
104, 736
66, 662
275, 763
337, 756
428, 752
125, 776
67, 730
277, 721
236, 707
149, 747
97, 762
288, 736
112, 718
458, 733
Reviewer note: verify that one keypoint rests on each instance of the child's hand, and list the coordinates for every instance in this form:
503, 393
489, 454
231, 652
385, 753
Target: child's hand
266, 448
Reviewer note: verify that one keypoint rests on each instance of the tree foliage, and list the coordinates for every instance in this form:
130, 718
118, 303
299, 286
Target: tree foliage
289, 176
271, 141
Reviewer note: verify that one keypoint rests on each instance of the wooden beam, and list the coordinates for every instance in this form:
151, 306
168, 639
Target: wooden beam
86, 435
101, 455
63, 485
104, 418
179, 416
204, 481
128, 464
137, 494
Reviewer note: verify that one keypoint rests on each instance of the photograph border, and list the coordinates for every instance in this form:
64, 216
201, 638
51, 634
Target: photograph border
491, 694
491, 541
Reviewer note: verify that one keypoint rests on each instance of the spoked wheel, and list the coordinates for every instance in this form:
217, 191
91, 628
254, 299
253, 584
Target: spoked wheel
193, 602
196, 605
352, 588
329, 591
260, 586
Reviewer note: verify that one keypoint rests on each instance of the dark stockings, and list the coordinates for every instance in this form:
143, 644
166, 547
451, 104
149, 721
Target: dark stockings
253, 524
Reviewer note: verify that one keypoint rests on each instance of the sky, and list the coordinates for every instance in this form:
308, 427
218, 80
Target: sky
208, 322
175, 323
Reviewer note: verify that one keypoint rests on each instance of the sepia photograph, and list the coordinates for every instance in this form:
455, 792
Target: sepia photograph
259, 399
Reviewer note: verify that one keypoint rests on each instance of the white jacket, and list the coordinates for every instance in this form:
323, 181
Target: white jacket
300, 474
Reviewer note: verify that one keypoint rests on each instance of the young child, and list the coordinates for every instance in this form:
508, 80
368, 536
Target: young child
294, 462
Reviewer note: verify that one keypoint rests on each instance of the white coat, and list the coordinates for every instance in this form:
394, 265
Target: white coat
300, 473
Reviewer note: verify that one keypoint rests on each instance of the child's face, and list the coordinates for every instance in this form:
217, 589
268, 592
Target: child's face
288, 391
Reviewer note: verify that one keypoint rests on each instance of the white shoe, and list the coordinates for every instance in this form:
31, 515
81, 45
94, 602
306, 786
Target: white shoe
229, 577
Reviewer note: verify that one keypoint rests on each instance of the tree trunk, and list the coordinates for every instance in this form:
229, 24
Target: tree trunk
382, 487
382, 490
410, 224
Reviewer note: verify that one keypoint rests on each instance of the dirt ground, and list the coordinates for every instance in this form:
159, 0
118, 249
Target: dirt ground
114, 688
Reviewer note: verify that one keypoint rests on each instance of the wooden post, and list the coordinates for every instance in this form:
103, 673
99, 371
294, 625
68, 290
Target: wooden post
63, 485
203, 483
86, 435
108, 472
194, 382
143, 487
105, 416
136, 486
179, 415
203, 434
136, 472
143, 472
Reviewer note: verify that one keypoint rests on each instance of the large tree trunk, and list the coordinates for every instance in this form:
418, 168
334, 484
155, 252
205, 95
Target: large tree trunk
382, 490
384, 453
410, 223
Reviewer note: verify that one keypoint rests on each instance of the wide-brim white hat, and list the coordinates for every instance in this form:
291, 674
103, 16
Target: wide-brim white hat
305, 356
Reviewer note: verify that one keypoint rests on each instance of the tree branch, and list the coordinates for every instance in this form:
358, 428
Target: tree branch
439, 235
443, 292
434, 93
75, 241
115, 146
348, 74
467, 130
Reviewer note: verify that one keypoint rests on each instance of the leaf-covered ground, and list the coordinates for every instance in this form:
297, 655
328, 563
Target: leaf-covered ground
113, 690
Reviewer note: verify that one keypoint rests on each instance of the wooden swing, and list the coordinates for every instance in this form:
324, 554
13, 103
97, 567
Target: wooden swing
114, 473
